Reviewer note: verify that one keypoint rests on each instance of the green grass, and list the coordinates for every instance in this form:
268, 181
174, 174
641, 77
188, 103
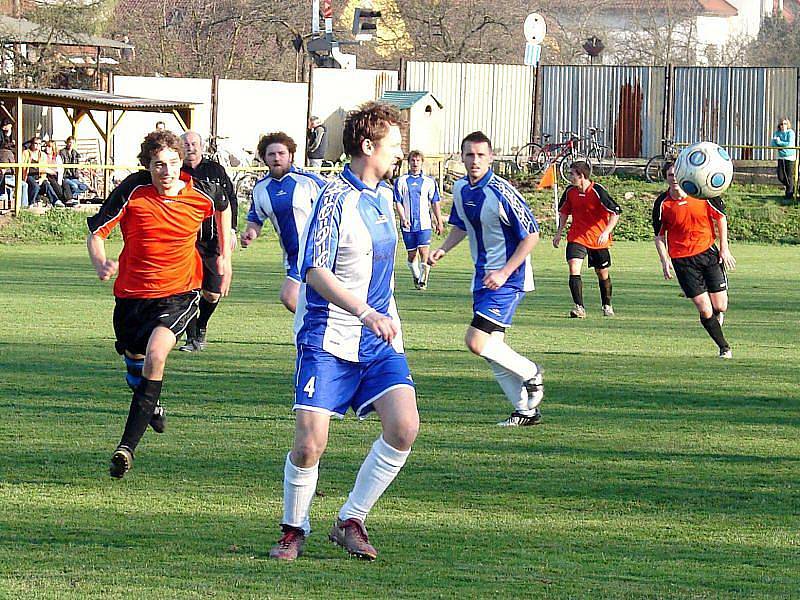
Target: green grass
659, 471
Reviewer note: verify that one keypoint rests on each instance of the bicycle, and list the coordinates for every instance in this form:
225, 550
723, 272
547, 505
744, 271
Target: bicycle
534, 157
235, 165
654, 169
602, 157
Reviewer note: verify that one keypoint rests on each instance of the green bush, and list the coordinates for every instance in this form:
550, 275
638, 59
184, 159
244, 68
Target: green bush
56, 226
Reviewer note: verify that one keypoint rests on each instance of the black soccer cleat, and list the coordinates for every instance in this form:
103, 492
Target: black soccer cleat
121, 462
519, 420
159, 419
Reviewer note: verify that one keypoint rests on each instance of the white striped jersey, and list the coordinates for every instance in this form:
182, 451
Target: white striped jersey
416, 194
496, 219
286, 202
351, 232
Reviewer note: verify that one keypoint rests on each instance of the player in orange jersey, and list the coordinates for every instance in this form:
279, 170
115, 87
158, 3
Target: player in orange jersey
594, 216
685, 240
160, 212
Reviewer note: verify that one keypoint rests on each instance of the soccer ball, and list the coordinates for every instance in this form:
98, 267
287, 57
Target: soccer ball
704, 170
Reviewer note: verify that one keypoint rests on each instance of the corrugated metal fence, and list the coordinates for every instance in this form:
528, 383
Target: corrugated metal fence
636, 106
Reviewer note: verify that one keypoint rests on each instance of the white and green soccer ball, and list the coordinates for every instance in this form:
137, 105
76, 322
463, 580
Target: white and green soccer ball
704, 170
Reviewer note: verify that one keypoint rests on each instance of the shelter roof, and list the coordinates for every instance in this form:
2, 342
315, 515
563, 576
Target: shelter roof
22, 31
91, 100
405, 99
709, 8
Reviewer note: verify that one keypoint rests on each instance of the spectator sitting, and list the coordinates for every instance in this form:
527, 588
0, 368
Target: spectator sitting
7, 156
33, 175
54, 173
70, 156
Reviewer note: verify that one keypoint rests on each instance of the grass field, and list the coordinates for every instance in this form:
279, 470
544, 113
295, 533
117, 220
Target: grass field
659, 470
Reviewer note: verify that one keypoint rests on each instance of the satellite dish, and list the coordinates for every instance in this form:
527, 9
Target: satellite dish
534, 28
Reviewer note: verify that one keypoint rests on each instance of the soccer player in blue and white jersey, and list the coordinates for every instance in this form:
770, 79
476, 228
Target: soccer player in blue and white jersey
349, 345
285, 198
415, 195
502, 233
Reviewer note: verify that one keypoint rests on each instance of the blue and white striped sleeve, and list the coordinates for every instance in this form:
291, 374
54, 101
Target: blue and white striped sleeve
435, 191
322, 240
260, 208
455, 218
520, 217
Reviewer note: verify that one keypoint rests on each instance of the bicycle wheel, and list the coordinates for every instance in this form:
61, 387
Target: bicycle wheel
245, 185
604, 161
530, 158
654, 169
566, 163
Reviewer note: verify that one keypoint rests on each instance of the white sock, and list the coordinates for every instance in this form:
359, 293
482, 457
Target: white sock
426, 270
414, 268
511, 386
496, 350
299, 485
378, 470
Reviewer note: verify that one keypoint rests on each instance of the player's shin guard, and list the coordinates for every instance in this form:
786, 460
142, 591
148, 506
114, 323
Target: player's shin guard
299, 485
605, 291
145, 399
134, 368
512, 387
714, 329
379, 469
413, 266
206, 310
496, 350
576, 289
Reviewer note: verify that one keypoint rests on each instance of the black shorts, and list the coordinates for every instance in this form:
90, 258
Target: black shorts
136, 318
212, 278
598, 259
700, 273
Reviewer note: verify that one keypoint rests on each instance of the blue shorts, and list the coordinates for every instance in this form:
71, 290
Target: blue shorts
327, 384
292, 271
415, 239
497, 306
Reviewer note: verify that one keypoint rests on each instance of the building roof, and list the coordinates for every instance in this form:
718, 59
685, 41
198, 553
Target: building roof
707, 8
22, 31
405, 99
92, 100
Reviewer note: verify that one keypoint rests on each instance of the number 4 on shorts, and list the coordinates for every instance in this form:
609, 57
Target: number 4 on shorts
309, 389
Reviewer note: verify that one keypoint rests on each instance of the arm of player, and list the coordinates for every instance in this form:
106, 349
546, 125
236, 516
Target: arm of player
250, 233
437, 215
495, 279
223, 222
106, 268
663, 255
453, 239
326, 285
562, 222
612, 222
398, 208
725, 256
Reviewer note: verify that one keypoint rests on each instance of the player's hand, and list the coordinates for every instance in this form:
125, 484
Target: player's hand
495, 279
436, 256
404, 224
726, 258
556, 240
439, 229
382, 326
666, 268
233, 240
106, 270
224, 268
602, 239
248, 236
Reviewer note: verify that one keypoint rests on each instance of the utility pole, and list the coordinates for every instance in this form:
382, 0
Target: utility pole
324, 48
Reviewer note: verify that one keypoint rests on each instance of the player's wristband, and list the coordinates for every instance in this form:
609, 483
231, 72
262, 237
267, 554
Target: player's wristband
365, 314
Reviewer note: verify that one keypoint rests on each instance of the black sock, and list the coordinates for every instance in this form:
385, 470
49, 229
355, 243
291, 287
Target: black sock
143, 403
576, 289
206, 310
714, 329
605, 291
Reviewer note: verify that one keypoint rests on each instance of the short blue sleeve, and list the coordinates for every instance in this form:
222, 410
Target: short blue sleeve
322, 241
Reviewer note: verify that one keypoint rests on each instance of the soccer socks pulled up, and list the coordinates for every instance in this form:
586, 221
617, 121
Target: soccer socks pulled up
413, 266
206, 310
714, 329
426, 271
299, 485
576, 289
144, 401
378, 470
605, 291
496, 350
512, 387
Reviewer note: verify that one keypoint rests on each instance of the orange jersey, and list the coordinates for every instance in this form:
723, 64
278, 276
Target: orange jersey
159, 258
591, 211
687, 223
